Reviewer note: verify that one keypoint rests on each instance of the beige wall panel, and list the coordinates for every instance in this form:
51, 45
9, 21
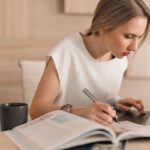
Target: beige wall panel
80, 6
147, 2
10, 75
2, 18
17, 18
50, 20
136, 88
139, 63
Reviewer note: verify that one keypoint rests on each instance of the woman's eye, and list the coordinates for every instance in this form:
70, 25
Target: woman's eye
128, 36
140, 37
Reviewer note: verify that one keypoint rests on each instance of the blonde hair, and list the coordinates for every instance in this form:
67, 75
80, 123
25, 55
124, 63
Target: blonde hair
110, 14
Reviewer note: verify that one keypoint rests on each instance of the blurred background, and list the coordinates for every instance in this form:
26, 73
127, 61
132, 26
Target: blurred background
30, 28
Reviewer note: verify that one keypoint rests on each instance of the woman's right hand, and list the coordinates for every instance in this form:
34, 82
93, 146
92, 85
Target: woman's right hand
102, 113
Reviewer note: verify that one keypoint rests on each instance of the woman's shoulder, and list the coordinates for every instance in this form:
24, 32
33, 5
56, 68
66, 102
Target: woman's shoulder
68, 43
71, 39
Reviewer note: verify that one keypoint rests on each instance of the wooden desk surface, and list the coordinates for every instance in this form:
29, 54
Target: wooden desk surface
138, 144
7, 144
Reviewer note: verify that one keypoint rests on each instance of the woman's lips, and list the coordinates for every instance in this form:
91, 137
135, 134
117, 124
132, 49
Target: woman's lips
125, 53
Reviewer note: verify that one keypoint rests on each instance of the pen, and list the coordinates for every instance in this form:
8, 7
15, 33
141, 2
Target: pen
93, 98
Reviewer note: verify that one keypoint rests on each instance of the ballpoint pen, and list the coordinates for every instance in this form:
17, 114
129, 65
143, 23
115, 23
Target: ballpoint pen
93, 98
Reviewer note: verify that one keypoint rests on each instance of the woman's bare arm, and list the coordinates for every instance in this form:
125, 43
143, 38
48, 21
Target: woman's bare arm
46, 93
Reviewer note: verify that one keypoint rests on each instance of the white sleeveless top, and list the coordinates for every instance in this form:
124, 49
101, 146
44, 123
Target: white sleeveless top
77, 70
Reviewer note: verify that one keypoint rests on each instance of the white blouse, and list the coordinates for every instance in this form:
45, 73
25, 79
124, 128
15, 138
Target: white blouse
77, 70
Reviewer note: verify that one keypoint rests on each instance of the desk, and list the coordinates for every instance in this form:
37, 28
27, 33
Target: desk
138, 144
6, 144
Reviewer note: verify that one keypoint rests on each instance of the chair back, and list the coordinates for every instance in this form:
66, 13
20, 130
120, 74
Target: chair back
31, 73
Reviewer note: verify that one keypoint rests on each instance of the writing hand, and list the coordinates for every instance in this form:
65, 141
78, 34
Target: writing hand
101, 112
93, 98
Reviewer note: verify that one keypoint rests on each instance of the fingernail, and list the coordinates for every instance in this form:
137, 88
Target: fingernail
139, 106
106, 124
143, 112
115, 119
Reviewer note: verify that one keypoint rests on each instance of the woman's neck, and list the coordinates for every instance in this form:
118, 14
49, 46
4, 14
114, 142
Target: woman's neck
95, 48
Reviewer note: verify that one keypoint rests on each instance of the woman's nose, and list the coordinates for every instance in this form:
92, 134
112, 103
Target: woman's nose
133, 46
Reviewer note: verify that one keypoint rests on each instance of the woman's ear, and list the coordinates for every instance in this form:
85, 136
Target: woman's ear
100, 31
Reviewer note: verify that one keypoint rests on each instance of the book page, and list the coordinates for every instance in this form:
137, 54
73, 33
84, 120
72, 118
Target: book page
126, 126
57, 128
128, 130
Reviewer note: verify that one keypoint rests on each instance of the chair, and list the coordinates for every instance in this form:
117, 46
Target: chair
31, 72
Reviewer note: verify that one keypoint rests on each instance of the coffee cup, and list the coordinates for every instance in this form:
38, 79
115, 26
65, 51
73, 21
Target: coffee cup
12, 115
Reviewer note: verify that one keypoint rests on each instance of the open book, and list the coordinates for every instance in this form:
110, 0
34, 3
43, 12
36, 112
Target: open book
61, 130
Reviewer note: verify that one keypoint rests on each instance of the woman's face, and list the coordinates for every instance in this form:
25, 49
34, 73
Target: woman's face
125, 39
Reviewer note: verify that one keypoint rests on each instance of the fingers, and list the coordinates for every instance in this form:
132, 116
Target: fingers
125, 104
99, 120
124, 107
105, 117
107, 109
141, 108
103, 113
140, 103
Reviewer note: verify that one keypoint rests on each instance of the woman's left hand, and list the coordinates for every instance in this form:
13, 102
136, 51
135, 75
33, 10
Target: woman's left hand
125, 104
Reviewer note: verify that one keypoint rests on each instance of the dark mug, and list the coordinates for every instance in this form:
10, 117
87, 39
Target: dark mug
12, 115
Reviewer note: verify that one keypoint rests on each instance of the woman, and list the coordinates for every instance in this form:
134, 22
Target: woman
96, 60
